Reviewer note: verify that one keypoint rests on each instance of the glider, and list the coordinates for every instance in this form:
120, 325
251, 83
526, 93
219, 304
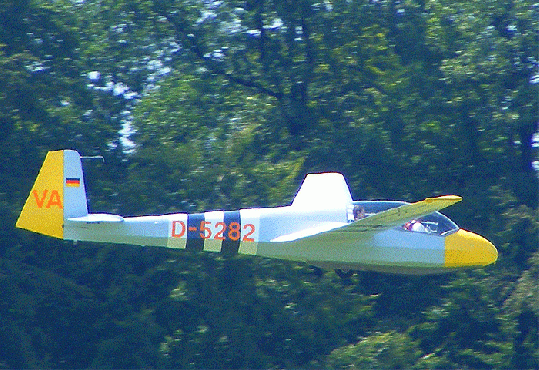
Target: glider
322, 227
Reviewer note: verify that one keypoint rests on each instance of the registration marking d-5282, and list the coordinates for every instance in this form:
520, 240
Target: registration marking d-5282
216, 230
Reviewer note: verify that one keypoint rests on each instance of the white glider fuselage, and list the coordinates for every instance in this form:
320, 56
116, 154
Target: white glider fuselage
283, 233
323, 226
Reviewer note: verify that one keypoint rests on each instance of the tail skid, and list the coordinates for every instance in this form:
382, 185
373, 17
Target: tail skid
58, 194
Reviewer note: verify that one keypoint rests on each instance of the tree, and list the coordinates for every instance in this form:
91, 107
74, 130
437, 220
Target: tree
211, 145
489, 53
230, 104
523, 305
244, 313
390, 350
466, 330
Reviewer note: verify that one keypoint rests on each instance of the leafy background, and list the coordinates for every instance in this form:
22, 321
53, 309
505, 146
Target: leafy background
200, 105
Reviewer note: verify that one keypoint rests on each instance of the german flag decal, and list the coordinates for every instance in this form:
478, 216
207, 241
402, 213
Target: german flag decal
72, 182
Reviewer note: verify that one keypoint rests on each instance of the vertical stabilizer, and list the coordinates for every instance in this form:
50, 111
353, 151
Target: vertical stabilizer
75, 203
58, 193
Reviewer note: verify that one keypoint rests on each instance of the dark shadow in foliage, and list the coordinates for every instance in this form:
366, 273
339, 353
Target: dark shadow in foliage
256, 313
401, 298
465, 330
46, 319
526, 341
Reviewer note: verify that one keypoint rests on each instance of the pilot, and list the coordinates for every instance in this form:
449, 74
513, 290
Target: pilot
416, 226
359, 212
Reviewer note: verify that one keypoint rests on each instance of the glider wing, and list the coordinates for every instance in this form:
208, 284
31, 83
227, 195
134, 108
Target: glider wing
380, 221
400, 215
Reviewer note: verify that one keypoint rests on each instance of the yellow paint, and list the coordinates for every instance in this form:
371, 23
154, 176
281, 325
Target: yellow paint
248, 248
212, 245
176, 243
465, 248
43, 211
450, 199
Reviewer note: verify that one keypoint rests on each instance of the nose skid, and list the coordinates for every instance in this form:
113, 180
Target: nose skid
465, 248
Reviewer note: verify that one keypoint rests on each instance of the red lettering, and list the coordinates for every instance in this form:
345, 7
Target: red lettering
39, 202
175, 233
247, 237
54, 200
234, 232
219, 234
217, 231
205, 232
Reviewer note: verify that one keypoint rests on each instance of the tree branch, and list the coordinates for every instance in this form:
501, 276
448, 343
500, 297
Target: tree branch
188, 39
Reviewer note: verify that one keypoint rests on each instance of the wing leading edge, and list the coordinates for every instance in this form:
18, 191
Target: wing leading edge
400, 215
381, 221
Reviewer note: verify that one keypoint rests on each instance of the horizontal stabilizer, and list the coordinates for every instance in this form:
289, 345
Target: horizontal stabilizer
97, 218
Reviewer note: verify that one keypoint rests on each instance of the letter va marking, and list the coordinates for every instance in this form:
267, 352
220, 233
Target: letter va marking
54, 199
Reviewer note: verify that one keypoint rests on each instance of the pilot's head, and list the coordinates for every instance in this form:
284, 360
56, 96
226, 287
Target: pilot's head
359, 212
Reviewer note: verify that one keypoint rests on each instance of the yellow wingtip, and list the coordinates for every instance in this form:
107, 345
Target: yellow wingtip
445, 198
455, 198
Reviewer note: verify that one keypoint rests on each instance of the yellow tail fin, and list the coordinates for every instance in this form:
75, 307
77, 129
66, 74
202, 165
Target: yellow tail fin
58, 192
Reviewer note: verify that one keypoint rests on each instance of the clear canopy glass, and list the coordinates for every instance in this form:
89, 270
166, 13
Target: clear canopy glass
434, 223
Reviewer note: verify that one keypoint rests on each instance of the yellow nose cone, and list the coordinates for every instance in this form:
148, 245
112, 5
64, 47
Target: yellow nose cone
465, 248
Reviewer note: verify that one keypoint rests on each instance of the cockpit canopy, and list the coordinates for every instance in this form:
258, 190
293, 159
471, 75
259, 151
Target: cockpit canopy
434, 223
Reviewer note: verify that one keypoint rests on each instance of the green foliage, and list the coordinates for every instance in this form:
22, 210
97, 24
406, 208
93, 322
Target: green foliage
523, 305
466, 330
230, 104
213, 146
45, 318
488, 65
239, 313
390, 350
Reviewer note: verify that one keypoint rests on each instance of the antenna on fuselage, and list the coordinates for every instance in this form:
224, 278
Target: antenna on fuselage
93, 157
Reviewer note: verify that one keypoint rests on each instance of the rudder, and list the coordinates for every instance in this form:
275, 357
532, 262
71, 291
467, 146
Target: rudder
58, 193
